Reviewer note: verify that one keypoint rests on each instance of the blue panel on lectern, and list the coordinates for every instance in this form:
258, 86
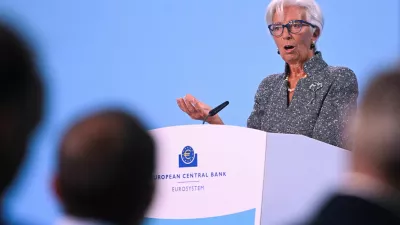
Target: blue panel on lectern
188, 158
241, 218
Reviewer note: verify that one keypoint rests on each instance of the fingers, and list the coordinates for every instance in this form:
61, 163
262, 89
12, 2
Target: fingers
189, 97
198, 108
194, 108
186, 106
190, 104
182, 105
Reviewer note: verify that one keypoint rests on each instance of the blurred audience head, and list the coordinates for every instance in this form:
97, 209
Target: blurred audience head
105, 168
376, 129
20, 101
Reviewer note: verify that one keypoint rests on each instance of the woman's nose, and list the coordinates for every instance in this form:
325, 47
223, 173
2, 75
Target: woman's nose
286, 34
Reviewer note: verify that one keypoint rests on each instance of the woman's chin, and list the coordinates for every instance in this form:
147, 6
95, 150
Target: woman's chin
290, 58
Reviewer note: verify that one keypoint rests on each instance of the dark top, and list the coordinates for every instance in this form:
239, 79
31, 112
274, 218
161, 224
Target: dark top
351, 210
319, 108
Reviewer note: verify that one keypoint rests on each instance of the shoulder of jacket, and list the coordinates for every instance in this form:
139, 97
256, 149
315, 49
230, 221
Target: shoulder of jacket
268, 83
271, 79
342, 73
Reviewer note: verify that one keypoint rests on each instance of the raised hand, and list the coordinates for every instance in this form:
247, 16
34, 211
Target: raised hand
196, 109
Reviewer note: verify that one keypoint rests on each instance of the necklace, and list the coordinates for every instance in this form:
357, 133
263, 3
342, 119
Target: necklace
287, 82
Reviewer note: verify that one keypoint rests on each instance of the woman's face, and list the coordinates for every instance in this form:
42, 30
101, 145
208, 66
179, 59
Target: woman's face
294, 47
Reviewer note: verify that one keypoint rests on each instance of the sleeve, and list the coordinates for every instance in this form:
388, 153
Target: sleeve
254, 120
339, 104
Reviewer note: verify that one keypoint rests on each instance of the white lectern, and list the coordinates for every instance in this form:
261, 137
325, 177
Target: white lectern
227, 175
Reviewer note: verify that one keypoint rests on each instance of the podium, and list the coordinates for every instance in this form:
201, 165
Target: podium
228, 175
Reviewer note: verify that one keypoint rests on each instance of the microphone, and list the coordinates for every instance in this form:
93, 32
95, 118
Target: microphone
216, 110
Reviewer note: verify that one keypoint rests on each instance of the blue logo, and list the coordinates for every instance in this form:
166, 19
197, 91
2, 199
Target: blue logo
188, 158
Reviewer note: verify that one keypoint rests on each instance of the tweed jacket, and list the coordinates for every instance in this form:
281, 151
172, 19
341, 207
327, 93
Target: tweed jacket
319, 109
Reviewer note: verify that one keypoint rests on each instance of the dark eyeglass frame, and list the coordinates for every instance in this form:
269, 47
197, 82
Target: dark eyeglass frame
288, 25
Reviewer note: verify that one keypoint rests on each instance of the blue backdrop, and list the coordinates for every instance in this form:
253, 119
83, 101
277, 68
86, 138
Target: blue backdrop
145, 54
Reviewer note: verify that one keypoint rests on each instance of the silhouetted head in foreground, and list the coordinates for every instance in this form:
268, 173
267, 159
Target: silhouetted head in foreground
105, 169
377, 130
20, 102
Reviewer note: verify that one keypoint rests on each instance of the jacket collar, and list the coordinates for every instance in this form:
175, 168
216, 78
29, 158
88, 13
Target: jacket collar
312, 66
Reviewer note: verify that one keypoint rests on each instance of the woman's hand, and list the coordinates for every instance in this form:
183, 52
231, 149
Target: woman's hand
197, 110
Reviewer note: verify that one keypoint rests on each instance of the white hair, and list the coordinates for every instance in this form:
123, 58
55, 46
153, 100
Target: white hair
313, 11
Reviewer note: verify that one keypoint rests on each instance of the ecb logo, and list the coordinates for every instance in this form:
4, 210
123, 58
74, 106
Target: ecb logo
188, 158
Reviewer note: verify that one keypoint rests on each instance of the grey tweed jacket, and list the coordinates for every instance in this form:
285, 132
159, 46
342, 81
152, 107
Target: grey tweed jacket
320, 106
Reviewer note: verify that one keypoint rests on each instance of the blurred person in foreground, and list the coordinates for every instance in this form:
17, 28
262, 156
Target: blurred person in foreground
20, 103
372, 192
310, 97
105, 170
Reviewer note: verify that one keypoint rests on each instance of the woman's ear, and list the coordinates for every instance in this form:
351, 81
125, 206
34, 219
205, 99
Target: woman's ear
316, 34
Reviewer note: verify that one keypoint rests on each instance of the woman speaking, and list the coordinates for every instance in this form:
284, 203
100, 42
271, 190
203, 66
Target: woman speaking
310, 97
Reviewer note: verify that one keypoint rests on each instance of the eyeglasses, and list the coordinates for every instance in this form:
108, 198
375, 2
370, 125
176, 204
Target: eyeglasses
293, 27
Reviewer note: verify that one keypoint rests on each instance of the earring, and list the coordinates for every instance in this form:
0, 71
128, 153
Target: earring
278, 51
312, 45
